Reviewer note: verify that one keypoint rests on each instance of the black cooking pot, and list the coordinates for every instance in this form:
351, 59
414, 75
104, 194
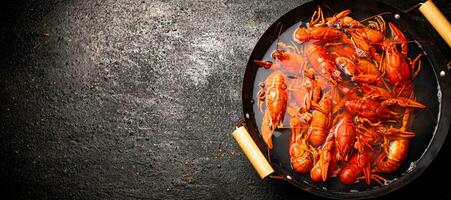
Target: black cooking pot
431, 88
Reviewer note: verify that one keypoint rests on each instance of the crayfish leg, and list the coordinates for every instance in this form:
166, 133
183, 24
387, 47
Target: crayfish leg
413, 63
379, 179
367, 173
317, 17
362, 120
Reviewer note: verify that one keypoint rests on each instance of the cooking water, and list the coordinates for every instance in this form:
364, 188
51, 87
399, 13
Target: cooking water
424, 121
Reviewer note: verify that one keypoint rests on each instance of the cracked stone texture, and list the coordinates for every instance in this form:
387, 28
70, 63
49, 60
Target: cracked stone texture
118, 99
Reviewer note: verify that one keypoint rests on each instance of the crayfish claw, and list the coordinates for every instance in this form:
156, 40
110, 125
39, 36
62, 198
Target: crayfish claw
358, 119
324, 170
399, 38
264, 64
403, 102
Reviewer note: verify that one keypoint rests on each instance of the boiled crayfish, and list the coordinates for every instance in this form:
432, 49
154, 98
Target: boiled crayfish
347, 90
276, 102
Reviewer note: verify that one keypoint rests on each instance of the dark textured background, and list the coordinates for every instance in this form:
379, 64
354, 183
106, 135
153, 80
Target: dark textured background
111, 99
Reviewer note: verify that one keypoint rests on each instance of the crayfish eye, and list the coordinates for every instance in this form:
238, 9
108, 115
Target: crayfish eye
336, 73
301, 24
278, 54
283, 86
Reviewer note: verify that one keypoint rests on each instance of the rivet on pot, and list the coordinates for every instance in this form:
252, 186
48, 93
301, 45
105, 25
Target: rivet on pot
289, 177
442, 73
397, 16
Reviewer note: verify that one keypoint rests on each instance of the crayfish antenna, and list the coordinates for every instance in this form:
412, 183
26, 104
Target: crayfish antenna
279, 31
329, 8
373, 16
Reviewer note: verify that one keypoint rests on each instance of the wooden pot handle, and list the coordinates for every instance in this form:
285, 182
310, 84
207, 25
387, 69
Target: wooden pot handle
252, 152
437, 19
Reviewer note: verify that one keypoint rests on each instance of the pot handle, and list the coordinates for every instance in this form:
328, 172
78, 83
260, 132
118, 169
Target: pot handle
437, 20
252, 152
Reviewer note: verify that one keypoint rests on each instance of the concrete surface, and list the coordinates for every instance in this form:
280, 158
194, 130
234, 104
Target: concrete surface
112, 99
